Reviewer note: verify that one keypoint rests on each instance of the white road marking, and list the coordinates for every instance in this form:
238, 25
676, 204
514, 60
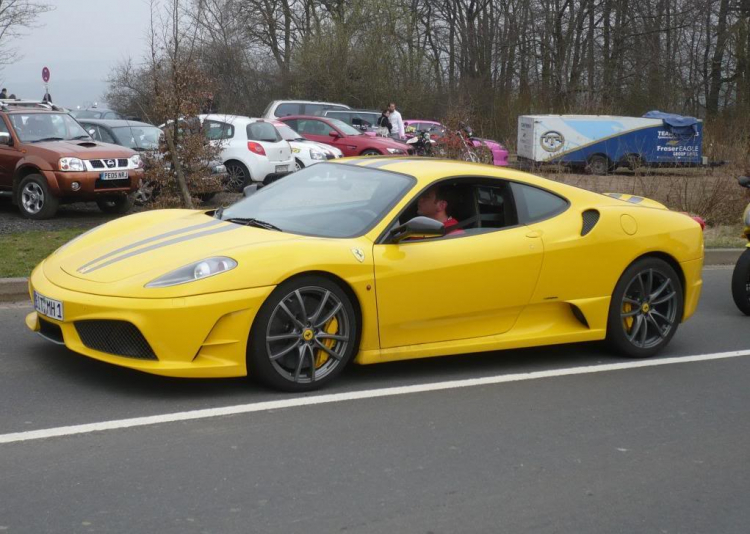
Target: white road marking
353, 395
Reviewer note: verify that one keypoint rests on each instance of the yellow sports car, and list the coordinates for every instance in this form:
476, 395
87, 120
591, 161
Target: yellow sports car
371, 260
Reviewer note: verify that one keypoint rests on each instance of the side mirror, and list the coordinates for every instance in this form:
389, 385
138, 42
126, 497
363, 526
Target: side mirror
92, 132
418, 226
5, 138
744, 181
250, 190
334, 133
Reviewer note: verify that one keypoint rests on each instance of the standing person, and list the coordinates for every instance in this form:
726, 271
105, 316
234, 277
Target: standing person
4, 93
384, 123
397, 123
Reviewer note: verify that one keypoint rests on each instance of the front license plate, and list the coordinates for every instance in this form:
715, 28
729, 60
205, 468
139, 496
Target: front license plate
113, 175
282, 168
48, 307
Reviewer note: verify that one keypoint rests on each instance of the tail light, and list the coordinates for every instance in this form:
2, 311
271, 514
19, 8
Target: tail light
257, 148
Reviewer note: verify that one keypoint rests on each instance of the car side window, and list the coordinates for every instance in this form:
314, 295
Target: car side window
216, 130
346, 117
361, 121
262, 131
284, 110
313, 127
4, 129
104, 135
495, 206
535, 204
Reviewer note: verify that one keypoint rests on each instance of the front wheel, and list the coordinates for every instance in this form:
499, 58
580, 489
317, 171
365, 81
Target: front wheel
741, 282
35, 200
115, 205
598, 165
304, 335
370, 152
646, 308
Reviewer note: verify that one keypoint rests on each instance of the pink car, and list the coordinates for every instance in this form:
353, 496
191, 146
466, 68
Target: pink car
499, 152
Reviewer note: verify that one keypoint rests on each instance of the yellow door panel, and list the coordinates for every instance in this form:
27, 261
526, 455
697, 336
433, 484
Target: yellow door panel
454, 288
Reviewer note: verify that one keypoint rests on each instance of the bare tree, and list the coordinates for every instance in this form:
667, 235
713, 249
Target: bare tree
17, 16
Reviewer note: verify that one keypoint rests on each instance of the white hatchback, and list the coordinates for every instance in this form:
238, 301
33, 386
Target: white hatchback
252, 149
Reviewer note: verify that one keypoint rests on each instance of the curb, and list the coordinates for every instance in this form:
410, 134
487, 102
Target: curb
16, 289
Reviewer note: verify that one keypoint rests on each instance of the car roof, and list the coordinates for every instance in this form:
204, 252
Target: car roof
352, 111
115, 123
310, 102
232, 119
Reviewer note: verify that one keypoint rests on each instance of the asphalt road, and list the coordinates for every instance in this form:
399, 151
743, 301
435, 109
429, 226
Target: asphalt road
660, 449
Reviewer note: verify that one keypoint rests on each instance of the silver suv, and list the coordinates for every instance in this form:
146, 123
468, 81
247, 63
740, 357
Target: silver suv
285, 108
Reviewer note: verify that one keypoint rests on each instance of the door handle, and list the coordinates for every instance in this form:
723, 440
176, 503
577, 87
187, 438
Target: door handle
534, 233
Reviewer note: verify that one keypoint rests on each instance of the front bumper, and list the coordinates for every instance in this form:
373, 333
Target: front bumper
200, 336
90, 185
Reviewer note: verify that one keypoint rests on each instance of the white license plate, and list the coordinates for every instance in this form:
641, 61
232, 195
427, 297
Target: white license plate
48, 307
282, 168
114, 175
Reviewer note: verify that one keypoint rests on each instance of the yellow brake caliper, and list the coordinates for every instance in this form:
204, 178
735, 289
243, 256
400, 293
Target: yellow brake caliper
627, 307
322, 356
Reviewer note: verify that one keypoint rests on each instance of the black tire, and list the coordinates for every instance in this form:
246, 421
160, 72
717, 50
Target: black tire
598, 165
370, 152
115, 204
652, 305
145, 194
238, 177
741, 282
35, 201
298, 165
291, 362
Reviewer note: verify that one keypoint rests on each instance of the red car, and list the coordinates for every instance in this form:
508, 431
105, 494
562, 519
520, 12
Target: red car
349, 140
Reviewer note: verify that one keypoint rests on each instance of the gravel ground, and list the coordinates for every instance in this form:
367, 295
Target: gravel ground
78, 215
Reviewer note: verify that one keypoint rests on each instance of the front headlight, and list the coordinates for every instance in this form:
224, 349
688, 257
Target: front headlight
316, 154
72, 165
395, 151
195, 271
136, 161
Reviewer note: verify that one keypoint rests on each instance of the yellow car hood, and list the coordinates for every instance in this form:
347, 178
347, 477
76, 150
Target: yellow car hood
158, 241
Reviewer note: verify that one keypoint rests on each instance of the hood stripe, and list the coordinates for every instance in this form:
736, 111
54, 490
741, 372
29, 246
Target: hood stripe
149, 240
160, 245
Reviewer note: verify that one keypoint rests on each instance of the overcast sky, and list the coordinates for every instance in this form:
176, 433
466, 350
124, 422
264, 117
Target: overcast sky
80, 41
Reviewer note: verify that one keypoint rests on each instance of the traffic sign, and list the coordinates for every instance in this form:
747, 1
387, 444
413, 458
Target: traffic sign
45, 74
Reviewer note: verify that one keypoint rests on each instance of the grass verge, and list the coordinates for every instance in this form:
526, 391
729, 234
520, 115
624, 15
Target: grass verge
724, 236
21, 252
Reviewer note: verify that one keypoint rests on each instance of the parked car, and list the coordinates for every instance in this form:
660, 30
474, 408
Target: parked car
252, 149
363, 120
306, 152
143, 137
346, 138
285, 108
47, 158
96, 113
437, 129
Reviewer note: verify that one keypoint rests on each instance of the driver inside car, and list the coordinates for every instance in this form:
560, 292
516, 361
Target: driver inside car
435, 203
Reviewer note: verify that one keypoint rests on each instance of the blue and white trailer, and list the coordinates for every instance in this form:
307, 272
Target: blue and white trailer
601, 143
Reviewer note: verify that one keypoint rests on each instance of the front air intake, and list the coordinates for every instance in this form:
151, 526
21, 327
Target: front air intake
115, 337
590, 218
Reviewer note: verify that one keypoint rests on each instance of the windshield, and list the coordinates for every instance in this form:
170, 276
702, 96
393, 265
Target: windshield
325, 200
138, 137
344, 127
31, 127
287, 134
88, 114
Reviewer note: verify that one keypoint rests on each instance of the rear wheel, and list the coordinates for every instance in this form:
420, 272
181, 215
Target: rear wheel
598, 164
741, 282
646, 308
35, 201
298, 165
115, 205
304, 335
238, 177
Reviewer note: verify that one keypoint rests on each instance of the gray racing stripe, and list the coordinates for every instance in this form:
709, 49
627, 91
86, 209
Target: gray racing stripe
149, 240
164, 244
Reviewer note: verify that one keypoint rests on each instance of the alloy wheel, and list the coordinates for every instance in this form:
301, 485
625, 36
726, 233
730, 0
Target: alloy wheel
308, 335
649, 308
235, 178
32, 198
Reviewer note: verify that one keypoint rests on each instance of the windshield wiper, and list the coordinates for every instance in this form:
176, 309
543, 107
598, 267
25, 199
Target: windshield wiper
49, 139
82, 137
248, 221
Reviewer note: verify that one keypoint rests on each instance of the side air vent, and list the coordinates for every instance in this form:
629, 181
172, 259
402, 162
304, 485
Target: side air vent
590, 218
